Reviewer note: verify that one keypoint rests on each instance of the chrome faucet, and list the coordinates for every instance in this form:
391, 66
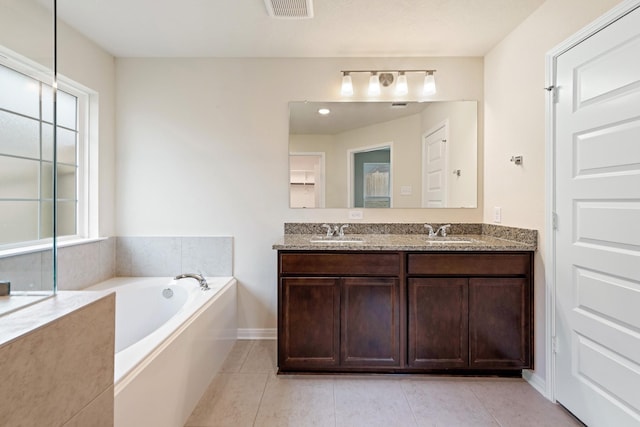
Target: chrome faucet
431, 232
336, 230
443, 230
329, 229
199, 277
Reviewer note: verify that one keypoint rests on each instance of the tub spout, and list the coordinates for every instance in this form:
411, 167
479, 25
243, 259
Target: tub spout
201, 280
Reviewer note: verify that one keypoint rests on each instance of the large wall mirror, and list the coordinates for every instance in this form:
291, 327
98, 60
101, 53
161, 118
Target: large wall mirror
383, 154
27, 49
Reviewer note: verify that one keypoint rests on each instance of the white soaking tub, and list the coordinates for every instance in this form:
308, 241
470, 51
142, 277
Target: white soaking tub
171, 339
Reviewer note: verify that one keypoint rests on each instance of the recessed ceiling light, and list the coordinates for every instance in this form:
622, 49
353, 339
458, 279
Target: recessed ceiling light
324, 111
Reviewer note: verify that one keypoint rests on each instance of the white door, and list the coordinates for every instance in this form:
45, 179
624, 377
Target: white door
597, 176
434, 166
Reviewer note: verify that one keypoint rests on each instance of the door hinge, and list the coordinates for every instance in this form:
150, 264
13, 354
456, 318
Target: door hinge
554, 92
554, 344
554, 220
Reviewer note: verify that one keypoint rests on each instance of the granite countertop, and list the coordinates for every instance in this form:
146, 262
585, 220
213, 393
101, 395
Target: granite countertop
409, 237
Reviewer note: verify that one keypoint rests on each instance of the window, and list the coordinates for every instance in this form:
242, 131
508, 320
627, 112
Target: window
26, 157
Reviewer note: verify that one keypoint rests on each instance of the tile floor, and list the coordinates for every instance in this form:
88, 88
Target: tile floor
247, 392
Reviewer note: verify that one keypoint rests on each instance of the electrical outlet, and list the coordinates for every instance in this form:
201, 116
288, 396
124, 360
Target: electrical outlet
497, 215
356, 215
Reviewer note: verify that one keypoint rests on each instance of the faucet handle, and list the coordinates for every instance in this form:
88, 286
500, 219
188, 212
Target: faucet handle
342, 227
328, 227
430, 228
443, 230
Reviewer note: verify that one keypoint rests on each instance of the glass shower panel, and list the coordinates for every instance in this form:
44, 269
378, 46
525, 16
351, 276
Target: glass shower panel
27, 49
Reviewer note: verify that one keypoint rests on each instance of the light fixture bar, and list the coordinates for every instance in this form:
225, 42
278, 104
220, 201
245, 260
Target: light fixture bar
385, 78
387, 71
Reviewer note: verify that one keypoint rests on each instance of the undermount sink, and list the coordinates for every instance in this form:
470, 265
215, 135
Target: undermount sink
449, 240
333, 239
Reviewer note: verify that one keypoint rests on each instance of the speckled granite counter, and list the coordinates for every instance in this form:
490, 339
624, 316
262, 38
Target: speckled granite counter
408, 237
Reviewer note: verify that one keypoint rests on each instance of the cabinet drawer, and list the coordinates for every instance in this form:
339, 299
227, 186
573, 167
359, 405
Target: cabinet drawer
469, 264
331, 263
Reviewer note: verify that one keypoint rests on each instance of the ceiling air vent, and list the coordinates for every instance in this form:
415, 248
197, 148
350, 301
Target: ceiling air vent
292, 9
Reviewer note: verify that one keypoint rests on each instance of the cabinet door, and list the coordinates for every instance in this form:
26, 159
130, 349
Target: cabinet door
438, 334
370, 322
499, 323
309, 328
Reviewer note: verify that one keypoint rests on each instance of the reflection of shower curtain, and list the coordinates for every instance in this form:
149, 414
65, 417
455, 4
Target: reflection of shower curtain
376, 184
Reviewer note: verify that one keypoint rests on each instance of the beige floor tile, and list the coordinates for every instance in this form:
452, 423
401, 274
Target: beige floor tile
237, 356
514, 403
444, 402
297, 401
250, 393
230, 400
371, 402
261, 357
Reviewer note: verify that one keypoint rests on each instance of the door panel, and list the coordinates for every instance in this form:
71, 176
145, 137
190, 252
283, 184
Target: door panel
499, 327
370, 321
438, 323
597, 176
434, 165
309, 324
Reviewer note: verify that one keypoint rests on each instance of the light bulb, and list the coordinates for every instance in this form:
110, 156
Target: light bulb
374, 84
429, 84
401, 85
347, 85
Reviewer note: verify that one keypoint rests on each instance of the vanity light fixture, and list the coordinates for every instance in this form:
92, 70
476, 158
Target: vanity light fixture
429, 84
385, 78
324, 111
374, 84
401, 85
347, 84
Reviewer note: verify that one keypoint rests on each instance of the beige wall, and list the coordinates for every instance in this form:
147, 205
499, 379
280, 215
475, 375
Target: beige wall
203, 150
515, 125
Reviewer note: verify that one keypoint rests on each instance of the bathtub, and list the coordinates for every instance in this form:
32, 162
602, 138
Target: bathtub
171, 339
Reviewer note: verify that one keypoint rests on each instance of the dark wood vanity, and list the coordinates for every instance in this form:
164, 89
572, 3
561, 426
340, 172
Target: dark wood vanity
466, 312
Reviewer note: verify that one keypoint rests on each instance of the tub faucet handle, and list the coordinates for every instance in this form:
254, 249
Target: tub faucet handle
199, 277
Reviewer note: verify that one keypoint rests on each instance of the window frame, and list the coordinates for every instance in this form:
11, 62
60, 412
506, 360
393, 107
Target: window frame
84, 185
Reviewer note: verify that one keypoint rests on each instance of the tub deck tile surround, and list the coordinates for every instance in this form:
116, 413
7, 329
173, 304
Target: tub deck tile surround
56, 360
410, 237
155, 256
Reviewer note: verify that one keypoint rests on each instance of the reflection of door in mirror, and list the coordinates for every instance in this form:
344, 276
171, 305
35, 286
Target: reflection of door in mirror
306, 180
435, 155
372, 177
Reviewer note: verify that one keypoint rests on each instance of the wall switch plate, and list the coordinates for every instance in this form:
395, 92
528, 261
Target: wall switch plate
497, 214
356, 215
406, 190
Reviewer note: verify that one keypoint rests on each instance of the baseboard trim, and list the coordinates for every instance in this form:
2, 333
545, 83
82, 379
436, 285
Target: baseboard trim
536, 381
257, 334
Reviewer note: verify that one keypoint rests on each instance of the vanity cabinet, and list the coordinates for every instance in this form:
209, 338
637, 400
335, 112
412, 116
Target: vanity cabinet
376, 311
470, 311
339, 311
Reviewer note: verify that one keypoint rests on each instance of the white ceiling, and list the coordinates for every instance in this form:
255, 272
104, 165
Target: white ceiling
339, 28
